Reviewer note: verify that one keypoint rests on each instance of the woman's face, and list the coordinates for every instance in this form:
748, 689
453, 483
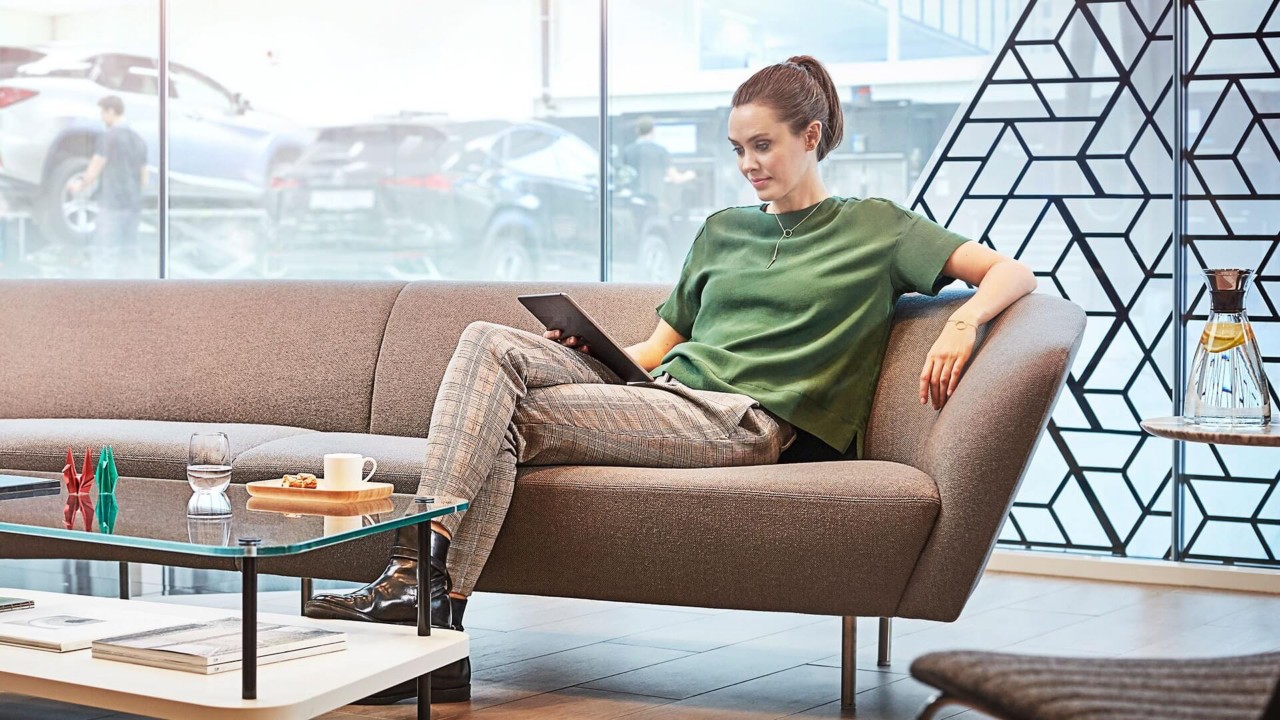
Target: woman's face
772, 158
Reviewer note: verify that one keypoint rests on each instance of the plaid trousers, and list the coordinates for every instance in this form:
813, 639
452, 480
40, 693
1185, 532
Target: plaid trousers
511, 397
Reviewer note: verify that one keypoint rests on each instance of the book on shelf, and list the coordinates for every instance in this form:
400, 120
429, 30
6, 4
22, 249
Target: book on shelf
170, 664
64, 627
8, 604
215, 646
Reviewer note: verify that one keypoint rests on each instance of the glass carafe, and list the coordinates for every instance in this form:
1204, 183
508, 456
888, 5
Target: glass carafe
1227, 384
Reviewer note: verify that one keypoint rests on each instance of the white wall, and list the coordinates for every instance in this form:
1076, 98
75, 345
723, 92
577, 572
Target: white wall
18, 27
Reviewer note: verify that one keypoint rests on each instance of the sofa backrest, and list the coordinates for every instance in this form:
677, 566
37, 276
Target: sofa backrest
899, 425
429, 317
979, 446
299, 353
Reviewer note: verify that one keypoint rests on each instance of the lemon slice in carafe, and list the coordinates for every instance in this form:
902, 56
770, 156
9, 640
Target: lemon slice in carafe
1222, 336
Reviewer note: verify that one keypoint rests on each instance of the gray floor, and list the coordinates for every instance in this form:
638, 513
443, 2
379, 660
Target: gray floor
577, 659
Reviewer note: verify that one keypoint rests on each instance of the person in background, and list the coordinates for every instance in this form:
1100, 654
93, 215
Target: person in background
652, 163
119, 167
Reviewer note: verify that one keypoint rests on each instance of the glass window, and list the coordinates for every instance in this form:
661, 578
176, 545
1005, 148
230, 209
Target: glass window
576, 159
672, 163
190, 86
529, 151
13, 58
57, 61
126, 73
397, 139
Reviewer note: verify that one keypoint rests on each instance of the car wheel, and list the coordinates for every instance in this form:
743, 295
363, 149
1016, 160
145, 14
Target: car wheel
655, 259
507, 255
62, 215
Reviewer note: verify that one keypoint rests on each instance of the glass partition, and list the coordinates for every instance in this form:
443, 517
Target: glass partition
400, 140
79, 138
675, 64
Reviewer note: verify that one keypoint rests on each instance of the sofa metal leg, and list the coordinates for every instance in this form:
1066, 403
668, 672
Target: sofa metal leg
933, 707
306, 592
886, 642
848, 660
942, 700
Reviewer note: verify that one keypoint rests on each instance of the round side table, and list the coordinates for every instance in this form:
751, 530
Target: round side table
1175, 428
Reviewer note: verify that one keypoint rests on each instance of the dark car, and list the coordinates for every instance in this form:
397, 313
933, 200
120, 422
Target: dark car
493, 199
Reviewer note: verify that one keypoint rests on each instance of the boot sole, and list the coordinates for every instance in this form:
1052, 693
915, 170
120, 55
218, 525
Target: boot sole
338, 612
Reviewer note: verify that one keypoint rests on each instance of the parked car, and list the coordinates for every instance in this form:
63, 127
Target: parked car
221, 150
511, 200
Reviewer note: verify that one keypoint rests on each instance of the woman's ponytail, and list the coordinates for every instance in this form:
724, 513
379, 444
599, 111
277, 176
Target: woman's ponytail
833, 126
799, 91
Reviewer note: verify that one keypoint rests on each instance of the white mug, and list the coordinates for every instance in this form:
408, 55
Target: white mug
335, 525
345, 471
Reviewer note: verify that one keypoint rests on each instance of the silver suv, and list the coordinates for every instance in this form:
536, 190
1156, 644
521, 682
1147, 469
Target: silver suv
221, 151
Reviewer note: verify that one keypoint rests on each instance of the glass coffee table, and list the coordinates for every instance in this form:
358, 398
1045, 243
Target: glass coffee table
151, 515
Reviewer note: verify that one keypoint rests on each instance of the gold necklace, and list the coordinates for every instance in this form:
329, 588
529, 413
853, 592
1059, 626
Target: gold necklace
787, 233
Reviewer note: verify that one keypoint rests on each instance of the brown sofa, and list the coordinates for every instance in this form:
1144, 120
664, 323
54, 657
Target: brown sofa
293, 369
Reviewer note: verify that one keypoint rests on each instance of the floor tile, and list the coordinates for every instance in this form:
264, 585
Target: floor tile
776, 695
710, 632
568, 704
513, 681
903, 698
1090, 598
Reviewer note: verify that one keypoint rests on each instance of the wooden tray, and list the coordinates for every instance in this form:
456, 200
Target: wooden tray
325, 508
274, 488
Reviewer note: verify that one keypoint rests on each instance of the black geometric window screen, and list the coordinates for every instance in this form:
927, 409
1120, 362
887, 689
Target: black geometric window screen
1232, 171
1064, 159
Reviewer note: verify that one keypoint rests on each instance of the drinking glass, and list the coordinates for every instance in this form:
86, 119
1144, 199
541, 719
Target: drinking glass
208, 530
209, 473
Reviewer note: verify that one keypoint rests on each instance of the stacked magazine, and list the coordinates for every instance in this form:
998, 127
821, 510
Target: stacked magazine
214, 647
66, 627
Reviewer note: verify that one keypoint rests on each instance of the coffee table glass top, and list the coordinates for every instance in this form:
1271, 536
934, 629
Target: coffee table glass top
153, 514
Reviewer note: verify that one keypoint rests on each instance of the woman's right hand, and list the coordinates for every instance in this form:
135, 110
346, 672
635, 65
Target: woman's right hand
572, 341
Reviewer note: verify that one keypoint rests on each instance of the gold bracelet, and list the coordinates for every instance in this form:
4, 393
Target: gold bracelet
962, 324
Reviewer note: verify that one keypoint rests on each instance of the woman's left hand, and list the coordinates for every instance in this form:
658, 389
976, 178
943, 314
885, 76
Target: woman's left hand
946, 362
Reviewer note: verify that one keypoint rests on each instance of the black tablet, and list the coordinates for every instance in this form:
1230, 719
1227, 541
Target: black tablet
559, 311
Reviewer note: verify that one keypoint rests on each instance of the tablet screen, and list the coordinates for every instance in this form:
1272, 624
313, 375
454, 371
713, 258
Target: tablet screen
559, 311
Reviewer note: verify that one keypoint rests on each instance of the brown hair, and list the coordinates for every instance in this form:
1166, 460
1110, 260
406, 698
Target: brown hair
799, 91
112, 103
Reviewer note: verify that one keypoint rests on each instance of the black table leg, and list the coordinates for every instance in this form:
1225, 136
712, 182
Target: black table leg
249, 619
307, 591
424, 696
424, 613
124, 581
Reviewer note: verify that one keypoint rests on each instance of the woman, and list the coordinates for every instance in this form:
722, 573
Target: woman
777, 326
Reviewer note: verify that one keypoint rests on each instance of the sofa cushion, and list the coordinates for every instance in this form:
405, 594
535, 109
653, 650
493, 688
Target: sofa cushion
399, 458
143, 448
813, 537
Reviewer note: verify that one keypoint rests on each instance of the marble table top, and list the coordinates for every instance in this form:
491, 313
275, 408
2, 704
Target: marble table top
1175, 428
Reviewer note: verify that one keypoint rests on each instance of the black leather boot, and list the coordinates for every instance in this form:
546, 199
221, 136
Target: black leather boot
449, 684
452, 683
392, 598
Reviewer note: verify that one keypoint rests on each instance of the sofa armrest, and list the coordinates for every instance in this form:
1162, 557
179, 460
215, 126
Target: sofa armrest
981, 445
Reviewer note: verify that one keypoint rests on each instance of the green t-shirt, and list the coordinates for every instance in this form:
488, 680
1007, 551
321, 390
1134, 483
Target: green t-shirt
806, 337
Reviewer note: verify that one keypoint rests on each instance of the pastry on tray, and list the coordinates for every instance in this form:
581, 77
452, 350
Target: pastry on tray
300, 480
